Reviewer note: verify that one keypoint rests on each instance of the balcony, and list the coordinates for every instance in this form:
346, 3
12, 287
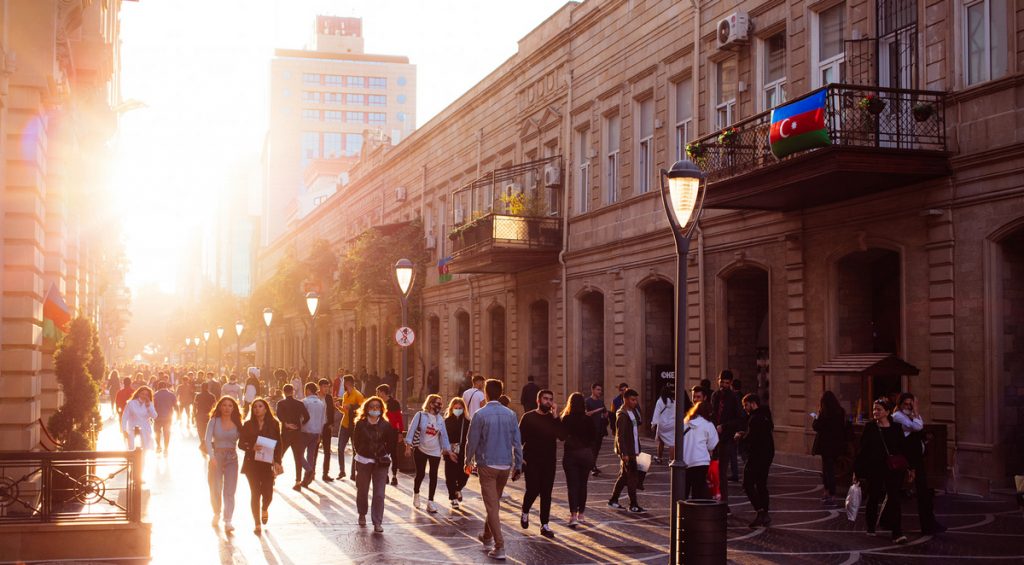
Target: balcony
514, 219
897, 139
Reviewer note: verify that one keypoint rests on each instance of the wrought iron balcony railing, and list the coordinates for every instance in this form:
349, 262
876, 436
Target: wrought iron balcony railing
507, 232
867, 117
70, 486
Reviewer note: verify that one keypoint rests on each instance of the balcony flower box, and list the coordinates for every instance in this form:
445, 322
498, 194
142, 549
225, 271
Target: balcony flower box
872, 104
922, 111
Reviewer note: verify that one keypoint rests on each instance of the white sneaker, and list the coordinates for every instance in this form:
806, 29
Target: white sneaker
498, 554
455, 504
431, 507
488, 544
416, 500
573, 523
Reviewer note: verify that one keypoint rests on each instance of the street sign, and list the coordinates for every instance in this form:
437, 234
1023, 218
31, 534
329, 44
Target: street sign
405, 336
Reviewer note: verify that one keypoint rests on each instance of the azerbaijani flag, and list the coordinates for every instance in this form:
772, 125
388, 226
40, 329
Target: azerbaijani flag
799, 125
56, 314
443, 275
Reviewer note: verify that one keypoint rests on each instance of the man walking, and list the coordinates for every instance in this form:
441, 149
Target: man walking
393, 408
293, 415
474, 397
725, 415
311, 431
327, 435
598, 412
495, 446
627, 447
529, 396
203, 403
757, 438
164, 402
907, 416
351, 400
540, 430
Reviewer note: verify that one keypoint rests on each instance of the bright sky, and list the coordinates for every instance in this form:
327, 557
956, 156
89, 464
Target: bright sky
200, 67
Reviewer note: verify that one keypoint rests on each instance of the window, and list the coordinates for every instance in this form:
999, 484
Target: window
332, 145
725, 93
310, 114
828, 46
773, 71
308, 96
985, 40
611, 158
354, 117
378, 83
355, 100
355, 82
319, 200
310, 146
332, 115
332, 80
353, 143
377, 118
683, 116
310, 78
645, 146
378, 100
582, 171
332, 98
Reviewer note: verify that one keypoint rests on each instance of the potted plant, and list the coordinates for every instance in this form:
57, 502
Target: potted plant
872, 103
922, 111
694, 150
728, 136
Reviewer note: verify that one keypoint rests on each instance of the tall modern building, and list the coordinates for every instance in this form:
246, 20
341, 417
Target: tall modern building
324, 101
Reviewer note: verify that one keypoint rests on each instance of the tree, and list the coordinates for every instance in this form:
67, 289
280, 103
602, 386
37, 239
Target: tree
75, 423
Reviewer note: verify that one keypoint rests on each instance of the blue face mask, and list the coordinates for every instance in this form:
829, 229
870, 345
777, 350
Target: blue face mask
374, 413
457, 411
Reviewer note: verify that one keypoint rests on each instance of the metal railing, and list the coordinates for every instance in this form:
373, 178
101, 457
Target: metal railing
506, 231
489, 193
70, 486
856, 116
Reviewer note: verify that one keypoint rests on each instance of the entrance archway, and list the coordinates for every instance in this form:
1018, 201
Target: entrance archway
659, 340
496, 317
539, 345
746, 322
1009, 348
462, 343
591, 347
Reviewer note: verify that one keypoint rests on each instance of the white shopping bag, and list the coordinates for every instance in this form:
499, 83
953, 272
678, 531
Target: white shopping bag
643, 462
853, 502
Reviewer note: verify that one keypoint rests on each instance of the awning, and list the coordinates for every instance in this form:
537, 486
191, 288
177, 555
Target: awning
867, 364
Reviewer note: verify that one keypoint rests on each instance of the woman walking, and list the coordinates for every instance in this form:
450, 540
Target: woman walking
578, 457
372, 440
427, 441
700, 437
139, 414
881, 463
663, 422
222, 448
255, 467
829, 441
457, 426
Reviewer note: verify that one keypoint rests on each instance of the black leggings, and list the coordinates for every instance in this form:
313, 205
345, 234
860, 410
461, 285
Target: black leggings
577, 464
421, 466
697, 482
261, 489
455, 476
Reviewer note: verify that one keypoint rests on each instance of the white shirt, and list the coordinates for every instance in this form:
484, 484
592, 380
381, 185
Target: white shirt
699, 440
636, 432
665, 420
232, 390
909, 425
473, 397
430, 440
300, 393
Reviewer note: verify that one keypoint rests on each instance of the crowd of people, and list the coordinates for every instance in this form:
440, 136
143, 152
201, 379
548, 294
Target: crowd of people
476, 433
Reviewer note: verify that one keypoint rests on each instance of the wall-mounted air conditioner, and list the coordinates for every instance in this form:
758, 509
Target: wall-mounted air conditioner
400, 194
552, 176
459, 216
733, 29
431, 242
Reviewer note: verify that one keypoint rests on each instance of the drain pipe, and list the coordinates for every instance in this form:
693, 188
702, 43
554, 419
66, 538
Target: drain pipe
565, 222
700, 296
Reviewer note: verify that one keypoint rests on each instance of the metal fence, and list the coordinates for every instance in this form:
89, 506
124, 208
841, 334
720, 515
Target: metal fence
70, 486
506, 231
856, 116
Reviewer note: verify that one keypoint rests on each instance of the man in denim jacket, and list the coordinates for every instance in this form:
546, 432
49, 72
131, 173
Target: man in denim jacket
496, 448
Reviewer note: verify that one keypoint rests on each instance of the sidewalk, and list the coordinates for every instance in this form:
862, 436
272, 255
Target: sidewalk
319, 525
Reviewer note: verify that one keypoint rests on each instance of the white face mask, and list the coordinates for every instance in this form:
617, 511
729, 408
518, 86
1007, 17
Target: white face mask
374, 413
457, 411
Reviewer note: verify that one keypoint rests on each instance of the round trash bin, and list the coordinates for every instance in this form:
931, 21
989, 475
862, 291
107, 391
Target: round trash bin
702, 532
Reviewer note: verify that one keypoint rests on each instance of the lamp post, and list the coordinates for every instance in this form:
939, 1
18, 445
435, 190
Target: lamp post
188, 344
239, 326
195, 350
312, 304
682, 193
268, 315
206, 348
220, 347
404, 274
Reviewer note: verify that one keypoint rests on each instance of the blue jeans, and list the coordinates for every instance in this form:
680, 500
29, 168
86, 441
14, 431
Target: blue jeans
223, 479
344, 435
312, 442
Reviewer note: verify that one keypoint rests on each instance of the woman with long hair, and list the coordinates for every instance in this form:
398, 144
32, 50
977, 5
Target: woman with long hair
255, 467
139, 414
457, 426
222, 448
700, 437
881, 464
829, 441
427, 441
578, 454
372, 441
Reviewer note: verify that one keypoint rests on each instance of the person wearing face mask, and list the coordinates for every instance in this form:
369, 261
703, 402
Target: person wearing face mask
457, 426
372, 439
910, 420
427, 441
540, 430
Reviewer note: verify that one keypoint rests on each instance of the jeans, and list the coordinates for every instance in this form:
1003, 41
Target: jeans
162, 431
697, 482
344, 435
421, 460
925, 498
492, 484
455, 476
628, 478
726, 451
201, 423
885, 488
828, 474
325, 439
294, 440
365, 472
597, 448
223, 480
261, 489
577, 465
312, 448
755, 483
540, 479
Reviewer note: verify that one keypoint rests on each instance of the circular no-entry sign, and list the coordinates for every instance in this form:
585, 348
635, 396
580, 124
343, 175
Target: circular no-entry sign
404, 336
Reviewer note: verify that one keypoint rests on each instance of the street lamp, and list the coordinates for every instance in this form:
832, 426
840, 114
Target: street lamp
268, 315
184, 356
682, 193
312, 304
195, 350
220, 347
404, 275
239, 326
206, 348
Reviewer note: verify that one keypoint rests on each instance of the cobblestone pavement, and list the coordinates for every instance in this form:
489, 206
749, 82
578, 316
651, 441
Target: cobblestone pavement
319, 525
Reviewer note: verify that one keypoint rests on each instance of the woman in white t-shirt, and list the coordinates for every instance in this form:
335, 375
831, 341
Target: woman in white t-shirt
427, 441
699, 439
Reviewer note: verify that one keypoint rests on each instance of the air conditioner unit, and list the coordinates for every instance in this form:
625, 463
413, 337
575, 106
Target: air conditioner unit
431, 242
733, 30
552, 176
459, 216
400, 194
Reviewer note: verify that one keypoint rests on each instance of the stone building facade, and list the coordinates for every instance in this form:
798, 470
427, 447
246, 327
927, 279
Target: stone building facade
903, 237
59, 67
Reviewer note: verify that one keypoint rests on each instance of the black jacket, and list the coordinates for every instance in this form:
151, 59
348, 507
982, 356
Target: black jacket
625, 438
373, 440
204, 404
759, 441
579, 432
291, 411
458, 430
726, 412
829, 435
875, 444
540, 433
247, 442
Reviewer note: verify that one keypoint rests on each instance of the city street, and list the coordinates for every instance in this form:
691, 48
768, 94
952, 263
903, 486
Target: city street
319, 525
